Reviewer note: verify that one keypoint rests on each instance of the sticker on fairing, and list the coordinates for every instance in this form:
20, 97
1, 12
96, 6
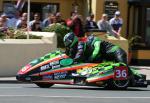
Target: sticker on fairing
48, 77
121, 73
66, 62
60, 75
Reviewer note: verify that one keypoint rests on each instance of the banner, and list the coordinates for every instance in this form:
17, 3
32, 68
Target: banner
20, 4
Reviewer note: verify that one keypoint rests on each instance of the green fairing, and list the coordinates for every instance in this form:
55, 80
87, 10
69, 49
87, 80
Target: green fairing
135, 72
103, 67
106, 67
45, 57
51, 55
96, 43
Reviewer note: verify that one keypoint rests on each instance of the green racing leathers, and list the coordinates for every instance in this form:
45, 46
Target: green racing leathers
99, 50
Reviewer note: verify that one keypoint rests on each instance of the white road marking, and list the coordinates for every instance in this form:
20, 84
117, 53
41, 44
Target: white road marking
9, 87
81, 97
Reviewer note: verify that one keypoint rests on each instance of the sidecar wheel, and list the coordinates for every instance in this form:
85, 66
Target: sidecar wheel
44, 85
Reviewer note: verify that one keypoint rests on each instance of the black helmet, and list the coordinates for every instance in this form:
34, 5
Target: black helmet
70, 39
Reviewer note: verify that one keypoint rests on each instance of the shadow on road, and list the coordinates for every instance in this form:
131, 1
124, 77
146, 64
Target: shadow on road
93, 88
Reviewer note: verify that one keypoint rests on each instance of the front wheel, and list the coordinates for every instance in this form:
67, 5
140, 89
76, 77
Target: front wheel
44, 85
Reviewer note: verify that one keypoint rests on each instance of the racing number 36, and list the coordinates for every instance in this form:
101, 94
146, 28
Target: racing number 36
121, 73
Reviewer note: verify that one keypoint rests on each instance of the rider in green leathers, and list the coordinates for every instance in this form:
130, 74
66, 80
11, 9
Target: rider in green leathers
93, 50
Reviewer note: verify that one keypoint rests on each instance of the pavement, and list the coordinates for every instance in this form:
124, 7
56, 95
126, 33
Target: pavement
141, 69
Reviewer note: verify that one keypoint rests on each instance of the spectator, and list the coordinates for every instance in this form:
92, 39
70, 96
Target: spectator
116, 22
75, 24
90, 23
59, 18
69, 20
104, 25
13, 20
22, 22
3, 29
5, 20
36, 24
46, 22
53, 21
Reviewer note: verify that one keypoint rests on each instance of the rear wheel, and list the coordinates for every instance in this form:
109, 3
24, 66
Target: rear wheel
44, 85
117, 84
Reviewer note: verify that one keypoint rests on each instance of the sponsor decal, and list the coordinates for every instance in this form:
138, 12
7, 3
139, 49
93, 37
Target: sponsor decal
54, 63
121, 73
25, 69
45, 67
55, 66
88, 70
60, 75
48, 77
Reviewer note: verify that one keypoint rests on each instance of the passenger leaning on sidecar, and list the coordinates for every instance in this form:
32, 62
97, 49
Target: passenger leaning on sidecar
100, 50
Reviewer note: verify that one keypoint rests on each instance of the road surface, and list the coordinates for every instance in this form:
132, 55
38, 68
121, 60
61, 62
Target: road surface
30, 93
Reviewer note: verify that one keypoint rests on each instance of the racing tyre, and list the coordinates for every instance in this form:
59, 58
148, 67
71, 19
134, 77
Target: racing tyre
117, 84
44, 85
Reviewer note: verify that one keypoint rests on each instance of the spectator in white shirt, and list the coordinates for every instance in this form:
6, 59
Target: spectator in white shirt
104, 25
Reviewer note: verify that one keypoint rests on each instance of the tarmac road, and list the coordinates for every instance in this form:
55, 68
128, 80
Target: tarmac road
30, 93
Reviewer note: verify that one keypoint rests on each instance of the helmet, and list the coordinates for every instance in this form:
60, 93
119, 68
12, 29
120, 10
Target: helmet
70, 39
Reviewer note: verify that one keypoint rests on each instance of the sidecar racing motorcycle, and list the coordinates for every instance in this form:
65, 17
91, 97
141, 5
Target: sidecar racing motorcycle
57, 68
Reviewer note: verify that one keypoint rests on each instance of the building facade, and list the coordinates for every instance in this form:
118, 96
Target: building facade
135, 14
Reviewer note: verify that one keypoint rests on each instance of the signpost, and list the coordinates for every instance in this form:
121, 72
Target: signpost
28, 19
110, 8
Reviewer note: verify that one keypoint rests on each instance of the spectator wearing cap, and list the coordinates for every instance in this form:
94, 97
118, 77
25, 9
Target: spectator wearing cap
104, 26
116, 22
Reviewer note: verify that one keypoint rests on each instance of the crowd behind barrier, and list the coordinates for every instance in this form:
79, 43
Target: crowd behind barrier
75, 22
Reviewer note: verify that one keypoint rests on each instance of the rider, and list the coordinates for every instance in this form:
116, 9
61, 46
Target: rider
93, 50
99, 50
74, 48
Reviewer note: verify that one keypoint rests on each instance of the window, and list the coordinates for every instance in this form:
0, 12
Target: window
49, 8
9, 8
43, 8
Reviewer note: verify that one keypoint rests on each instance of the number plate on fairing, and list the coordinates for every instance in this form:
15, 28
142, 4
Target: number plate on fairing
120, 73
